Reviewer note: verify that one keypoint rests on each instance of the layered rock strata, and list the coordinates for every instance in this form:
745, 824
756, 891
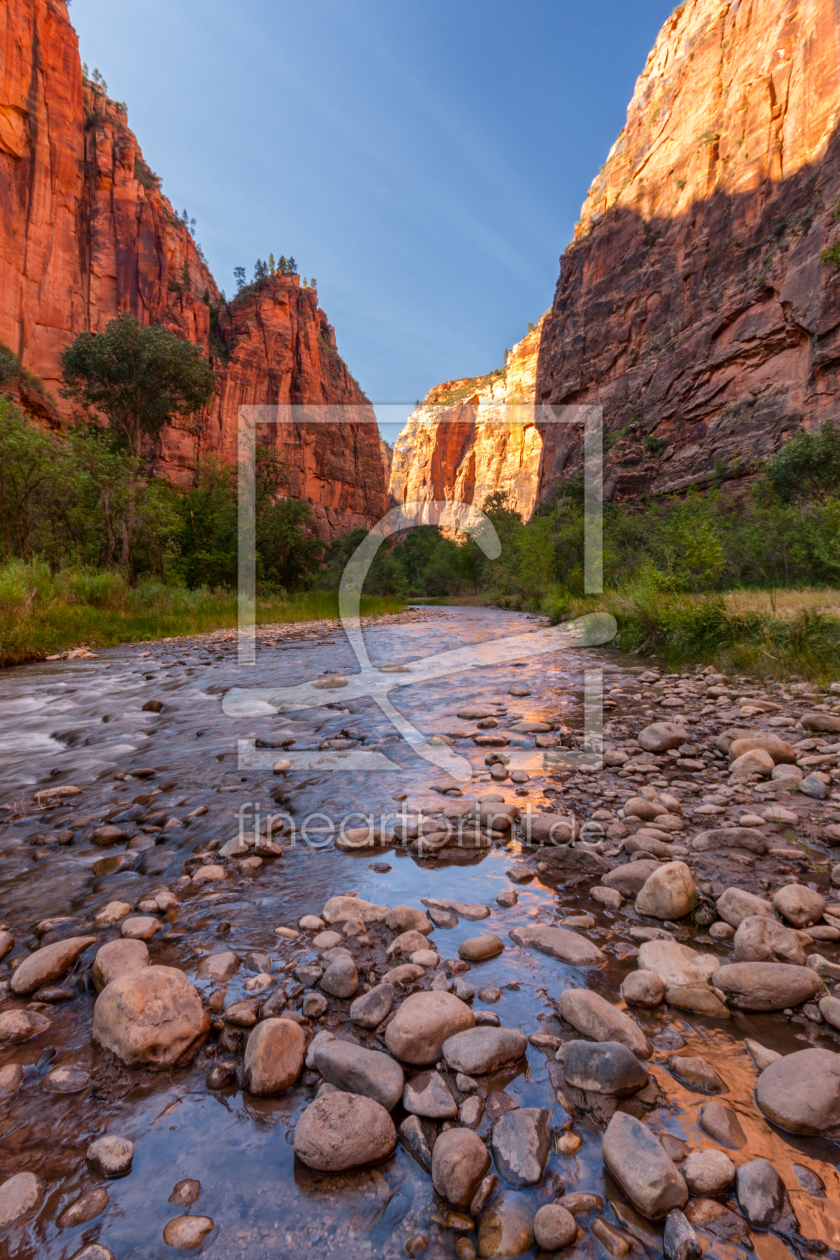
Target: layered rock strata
87, 233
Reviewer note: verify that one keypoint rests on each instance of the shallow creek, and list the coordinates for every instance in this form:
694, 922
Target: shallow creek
82, 723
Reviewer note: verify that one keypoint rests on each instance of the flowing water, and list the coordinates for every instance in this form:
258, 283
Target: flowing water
82, 723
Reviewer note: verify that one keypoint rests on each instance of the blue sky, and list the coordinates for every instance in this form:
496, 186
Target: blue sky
426, 162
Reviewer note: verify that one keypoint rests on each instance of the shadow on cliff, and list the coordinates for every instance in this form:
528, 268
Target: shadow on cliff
713, 332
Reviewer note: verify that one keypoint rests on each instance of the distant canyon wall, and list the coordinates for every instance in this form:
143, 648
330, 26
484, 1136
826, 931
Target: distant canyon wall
86, 233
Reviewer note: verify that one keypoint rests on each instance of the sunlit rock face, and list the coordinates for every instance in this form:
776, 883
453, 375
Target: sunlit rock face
694, 304
473, 437
86, 232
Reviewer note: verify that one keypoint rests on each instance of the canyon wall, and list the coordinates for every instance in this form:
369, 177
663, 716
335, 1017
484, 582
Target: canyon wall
86, 233
696, 304
473, 437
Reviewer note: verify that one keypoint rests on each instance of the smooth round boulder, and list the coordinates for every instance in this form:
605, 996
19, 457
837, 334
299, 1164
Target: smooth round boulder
47, 964
641, 807
341, 978
761, 1193
605, 1067
480, 948
735, 905
659, 737
766, 986
273, 1057
18, 1025
187, 1233
339, 1131
428, 1094
423, 1023
756, 761
357, 1070
139, 927
669, 893
478, 1051
708, 1173
636, 1159
631, 878
780, 751
459, 1162
643, 988
506, 1228
760, 939
111, 1155
597, 1018
799, 904
790, 775
800, 1092
118, 958
554, 1227
407, 919
369, 1009
19, 1196
151, 1018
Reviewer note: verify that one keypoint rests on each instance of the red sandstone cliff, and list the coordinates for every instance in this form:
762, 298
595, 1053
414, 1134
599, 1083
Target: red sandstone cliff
694, 304
474, 436
86, 233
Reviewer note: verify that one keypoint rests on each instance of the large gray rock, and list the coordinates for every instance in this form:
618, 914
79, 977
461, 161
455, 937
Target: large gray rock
459, 1161
760, 939
356, 1070
151, 1018
761, 1192
423, 1023
723, 1125
595, 1017
642, 988
801, 1091
631, 878
478, 1051
708, 1173
660, 736
118, 958
605, 1067
339, 1131
274, 1057
748, 838
679, 1241
20, 1195
219, 967
766, 986
339, 909
634, 1156
735, 905
369, 1009
669, 893
428, 1094
341, 979
49, 963
521, 1145
506, 1228
560, 943
799, 904
697, 1073
554, 1227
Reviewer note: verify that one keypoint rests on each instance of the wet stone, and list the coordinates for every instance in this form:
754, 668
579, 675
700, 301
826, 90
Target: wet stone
521, 1145
554, 1227
708, 1173
418, 1136
423, 1023
85, 1208
429, 1095
66, 1080
339, 1131
680, 1241
360, 1071
695, 1072
801, 1092
478, 1051
110, 1156
723, 1125
639, 1164
186, 1233
761, 1193
19, 1197
459, 1162
185, 1193
607, 1067
506, 1228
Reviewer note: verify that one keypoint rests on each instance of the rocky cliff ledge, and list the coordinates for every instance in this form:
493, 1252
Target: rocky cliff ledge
694, 303
461, 446
86, 232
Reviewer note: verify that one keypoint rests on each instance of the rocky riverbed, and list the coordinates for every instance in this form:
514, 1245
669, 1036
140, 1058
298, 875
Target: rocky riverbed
255, 1002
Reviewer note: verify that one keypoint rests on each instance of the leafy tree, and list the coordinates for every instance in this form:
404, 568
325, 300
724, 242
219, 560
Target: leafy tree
807, 466
141, 379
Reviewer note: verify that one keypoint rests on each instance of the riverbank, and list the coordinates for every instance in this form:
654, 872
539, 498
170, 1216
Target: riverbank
334, 1013
38, 627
